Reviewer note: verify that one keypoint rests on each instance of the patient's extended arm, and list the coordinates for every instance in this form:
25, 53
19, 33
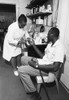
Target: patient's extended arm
37, 50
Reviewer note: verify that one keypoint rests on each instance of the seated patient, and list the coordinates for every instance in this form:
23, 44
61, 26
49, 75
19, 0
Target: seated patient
54, 54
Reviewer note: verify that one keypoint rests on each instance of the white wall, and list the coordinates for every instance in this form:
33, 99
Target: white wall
23, 4
23, 9
63, 25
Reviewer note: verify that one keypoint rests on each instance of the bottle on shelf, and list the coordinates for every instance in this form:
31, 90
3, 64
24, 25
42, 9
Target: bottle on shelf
39, 20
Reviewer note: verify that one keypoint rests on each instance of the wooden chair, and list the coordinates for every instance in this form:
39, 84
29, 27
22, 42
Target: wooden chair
51, 77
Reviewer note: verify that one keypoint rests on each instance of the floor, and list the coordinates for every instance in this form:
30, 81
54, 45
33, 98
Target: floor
12, 89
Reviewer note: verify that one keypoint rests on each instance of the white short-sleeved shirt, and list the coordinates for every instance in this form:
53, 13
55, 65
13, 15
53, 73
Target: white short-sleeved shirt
53, 53
13, 35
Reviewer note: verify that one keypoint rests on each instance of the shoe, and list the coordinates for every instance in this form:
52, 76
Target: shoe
35, 95
17, 67
28, 97
16, 73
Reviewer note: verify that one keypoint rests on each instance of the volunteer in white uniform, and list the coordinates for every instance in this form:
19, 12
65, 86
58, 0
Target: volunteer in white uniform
15, 32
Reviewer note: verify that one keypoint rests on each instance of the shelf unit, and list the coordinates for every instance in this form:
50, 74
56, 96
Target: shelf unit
35, 15
35, 3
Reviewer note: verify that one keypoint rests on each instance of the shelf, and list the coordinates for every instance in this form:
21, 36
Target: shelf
35, 3
39, 14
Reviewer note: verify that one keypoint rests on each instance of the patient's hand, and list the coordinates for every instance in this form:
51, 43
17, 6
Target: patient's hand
33, 64
34, 59
30, 41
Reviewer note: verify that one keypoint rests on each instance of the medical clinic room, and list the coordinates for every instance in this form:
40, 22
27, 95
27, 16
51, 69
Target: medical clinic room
34, 49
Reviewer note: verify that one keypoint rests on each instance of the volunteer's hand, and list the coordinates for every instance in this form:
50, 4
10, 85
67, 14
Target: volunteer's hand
19, 44
30, 41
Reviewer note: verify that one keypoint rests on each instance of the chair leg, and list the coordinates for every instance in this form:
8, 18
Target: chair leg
57, 85
38, 87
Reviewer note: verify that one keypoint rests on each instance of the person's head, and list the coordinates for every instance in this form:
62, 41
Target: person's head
22, 20
53, 35
42, 28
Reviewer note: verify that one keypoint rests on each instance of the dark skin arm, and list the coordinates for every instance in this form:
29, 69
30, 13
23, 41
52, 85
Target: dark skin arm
46, 68
36, 49
51, 67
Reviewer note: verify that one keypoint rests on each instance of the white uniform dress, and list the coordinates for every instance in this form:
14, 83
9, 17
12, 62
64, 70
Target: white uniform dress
13, 35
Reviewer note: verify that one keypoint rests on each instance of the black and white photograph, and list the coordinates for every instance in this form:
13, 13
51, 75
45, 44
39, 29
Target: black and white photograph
34, 49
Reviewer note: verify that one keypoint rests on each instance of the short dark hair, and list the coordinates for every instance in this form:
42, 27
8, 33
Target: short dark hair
55, 31
21, 18
42, 28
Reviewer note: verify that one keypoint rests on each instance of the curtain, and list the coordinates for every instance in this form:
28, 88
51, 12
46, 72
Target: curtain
55, 12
